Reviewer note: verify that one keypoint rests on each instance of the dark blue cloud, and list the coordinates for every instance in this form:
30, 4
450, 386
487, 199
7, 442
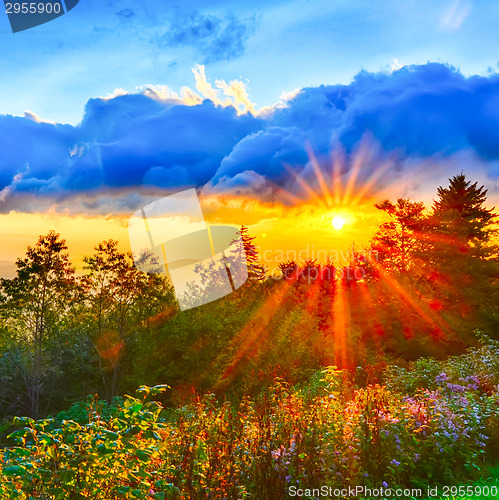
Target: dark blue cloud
268, 152
123, 142
421, 110
131, 141
214, 38
32, 150
125, 13
132, 135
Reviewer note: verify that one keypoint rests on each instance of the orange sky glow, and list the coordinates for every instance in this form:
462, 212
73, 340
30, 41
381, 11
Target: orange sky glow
297, 225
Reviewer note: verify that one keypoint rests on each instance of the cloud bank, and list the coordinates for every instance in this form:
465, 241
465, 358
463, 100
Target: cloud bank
212, 37
424, 118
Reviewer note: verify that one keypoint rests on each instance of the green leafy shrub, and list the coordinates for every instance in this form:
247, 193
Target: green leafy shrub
320, 433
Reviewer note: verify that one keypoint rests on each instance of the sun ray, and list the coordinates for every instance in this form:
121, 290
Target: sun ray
249, 336
297, 177
396, 286
376, 175
336, 164
341, 326
358, 160
319, 175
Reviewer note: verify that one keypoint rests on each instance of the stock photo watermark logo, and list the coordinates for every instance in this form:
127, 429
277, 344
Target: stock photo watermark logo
171, 236
26, 15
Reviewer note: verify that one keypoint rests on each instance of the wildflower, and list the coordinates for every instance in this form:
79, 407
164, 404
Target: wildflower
441, 378
456, 387
473, 382
395, 462
384, 484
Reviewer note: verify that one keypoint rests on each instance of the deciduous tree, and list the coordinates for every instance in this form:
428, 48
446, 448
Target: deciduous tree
34, 305
398, 239
120, 299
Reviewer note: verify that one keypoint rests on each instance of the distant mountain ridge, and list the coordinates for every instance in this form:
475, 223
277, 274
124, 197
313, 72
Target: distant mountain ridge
7, 269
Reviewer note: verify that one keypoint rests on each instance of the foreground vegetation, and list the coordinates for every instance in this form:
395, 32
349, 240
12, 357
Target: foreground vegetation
432, 423
371, 373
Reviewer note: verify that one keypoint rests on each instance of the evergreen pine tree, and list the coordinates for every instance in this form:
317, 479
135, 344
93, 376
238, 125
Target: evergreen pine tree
460, 216
256, 272
457, 263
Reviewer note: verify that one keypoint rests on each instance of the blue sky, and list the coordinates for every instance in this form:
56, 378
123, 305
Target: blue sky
274, 47
120, 102
121, 95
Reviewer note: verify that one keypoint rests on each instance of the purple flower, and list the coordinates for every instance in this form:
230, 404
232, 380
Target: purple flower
456, 387
384, 484
394, 462
441, 378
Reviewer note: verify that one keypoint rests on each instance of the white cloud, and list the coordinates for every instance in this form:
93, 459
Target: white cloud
35, 118
455, 15
284, 98
396, 65
117, 92
228, 94
237, 91
165, 94
225, 94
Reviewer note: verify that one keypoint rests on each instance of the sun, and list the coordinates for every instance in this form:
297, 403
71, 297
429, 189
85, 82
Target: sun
338, 222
